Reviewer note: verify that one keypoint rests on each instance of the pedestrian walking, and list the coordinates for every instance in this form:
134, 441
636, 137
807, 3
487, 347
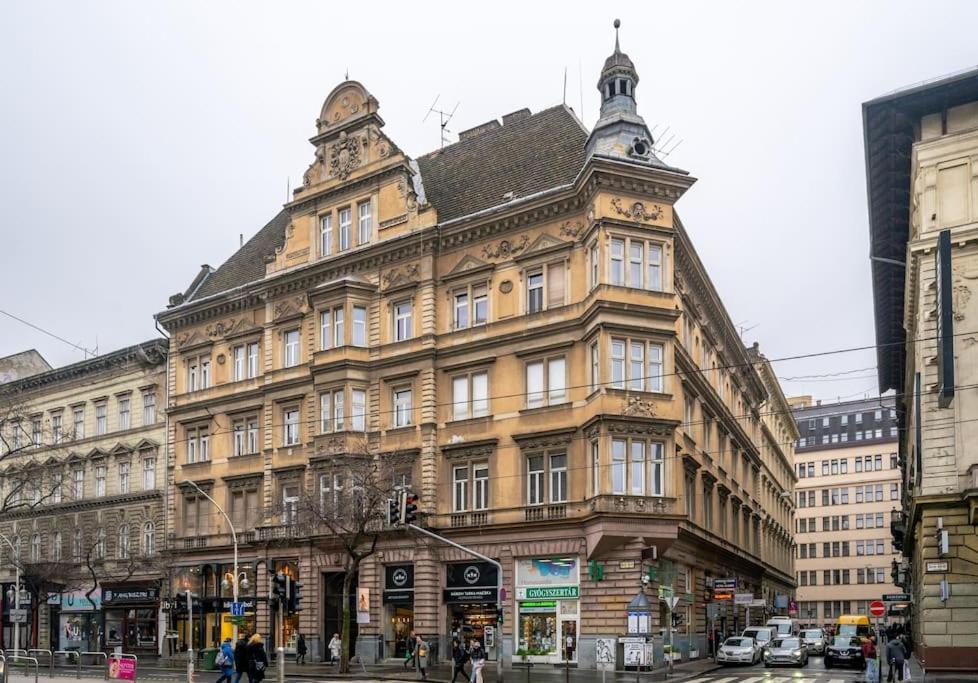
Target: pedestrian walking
478, 657
241, 659
460, 655
421, 656
896, 655
257, 659
225, 662
300, 650
409, 644
335, 647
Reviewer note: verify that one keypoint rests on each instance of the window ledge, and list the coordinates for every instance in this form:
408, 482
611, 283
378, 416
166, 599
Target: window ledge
658, 395
547, 408
485, 420
395, 431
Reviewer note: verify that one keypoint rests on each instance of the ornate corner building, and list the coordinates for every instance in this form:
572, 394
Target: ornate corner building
522, 313
922, 184
82, 472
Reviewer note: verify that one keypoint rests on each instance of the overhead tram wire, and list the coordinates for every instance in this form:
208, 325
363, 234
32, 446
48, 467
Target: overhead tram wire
87, 352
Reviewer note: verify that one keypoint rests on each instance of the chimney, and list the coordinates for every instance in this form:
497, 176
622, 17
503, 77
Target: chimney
818, 402
517, 115
478, 130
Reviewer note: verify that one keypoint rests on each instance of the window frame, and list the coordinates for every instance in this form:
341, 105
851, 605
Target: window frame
549, 394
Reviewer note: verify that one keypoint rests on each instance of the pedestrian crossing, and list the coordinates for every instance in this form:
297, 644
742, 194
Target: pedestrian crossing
780, 677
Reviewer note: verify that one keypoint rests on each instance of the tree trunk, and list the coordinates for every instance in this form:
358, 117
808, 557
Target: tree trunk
345, 620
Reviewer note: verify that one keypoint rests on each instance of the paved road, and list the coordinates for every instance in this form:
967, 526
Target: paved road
814, 672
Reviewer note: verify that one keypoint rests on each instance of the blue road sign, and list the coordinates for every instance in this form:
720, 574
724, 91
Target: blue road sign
237, 609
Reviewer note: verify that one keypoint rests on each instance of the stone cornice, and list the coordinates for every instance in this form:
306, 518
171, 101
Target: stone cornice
69, 507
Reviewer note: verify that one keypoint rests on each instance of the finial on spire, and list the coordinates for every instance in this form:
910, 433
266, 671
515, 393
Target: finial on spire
617, 24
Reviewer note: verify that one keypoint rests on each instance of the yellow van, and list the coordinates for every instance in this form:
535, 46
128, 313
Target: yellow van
853, 625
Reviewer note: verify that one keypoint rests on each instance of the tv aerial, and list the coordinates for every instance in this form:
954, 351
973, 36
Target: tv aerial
443, 118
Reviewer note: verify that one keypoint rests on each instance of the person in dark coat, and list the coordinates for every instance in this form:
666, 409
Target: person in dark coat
257, 659
300, 650
896, 654
459, 657
241, 659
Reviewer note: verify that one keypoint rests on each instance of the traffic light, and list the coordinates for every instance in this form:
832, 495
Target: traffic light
409, 507
295, 598
499, 616
895, 572
280, 588
394, 510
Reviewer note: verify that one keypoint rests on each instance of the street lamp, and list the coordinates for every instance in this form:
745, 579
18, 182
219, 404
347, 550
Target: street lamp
236, 578
16, 597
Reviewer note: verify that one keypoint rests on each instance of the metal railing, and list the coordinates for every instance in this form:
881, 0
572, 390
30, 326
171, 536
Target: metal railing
33, 660
105, 662
68, 654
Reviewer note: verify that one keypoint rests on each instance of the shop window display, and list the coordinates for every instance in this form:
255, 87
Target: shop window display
538, 628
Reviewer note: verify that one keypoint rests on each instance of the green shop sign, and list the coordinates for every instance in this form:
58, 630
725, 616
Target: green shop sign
550, 593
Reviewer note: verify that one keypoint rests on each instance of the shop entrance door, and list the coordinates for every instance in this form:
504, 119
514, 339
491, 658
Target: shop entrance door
568, 641
469, 622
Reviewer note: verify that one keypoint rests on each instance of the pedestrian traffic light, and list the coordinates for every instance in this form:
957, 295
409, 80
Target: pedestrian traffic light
409, 507
942, 540
394, 509
295, 598
499, 616
280, 588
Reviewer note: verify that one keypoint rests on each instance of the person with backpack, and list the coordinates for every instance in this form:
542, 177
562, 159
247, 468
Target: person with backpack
459, 657
225, 661
257, 659
896, 654
241, 659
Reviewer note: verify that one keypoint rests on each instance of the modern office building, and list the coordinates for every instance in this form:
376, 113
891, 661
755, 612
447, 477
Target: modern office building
848, 487
922, 186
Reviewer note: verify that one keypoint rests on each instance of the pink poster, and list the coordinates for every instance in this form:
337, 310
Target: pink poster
122, 668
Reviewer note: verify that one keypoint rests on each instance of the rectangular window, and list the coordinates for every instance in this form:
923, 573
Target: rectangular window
617, 271
618, 448
460, 488
339, 334
595, 367
618, 363
253, 359
100, 474
403, 320
238, 438
205, 373
657, 475
123, 477
595, 468
656, 374
461, 309
252, 435
149, 474
325, 329
402, 407
534, 291
238, 363
326, 235
364, 223
346, 218
556, 290
556, 380
125, 413
655, 268
290, 422
558, 478
291, 348
859, 464
550, 374
339, 410
78, 485
593, 259
101, 418
358, 416
359, 326
480, 487
57, 429
637, 468
636, 367
534, 480
78, 422
635, 250
480, 304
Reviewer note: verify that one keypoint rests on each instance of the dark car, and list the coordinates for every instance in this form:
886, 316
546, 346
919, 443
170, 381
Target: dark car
845, 651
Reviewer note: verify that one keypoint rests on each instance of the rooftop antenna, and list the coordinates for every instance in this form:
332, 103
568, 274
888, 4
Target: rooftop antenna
580, 86
443, 118
565, 86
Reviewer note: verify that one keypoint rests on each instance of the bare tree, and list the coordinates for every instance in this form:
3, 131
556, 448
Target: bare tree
351, 515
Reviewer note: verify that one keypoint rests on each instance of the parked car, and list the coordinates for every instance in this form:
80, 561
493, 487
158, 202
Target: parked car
785, 651
845, 651
815, 640
761, 634
739, 651
783, 626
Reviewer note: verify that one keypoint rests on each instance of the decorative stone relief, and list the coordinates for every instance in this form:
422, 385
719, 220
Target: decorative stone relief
506, 249
506, 286
345, 155
410, 198
960, 294
314, 173
637, 407
289, 306
571, 228
637, 211
409, 273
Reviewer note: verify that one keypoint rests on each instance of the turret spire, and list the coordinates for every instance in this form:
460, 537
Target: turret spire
617, 25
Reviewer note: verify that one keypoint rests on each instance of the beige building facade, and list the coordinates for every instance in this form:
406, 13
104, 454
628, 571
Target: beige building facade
83, 474
922, 179
524, 315
848, 489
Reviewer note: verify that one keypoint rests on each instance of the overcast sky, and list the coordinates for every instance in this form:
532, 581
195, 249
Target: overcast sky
139, 139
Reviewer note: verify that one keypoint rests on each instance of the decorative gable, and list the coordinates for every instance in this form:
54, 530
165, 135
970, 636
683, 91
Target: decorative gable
468, 265
544, 244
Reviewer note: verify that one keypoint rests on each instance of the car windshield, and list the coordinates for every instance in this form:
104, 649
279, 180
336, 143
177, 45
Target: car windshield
786, 643
846, 641
738, 642
815, 634
757, 634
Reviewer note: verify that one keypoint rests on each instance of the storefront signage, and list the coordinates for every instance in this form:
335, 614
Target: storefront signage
896, 597
538, 606
398, 597
78, 601
545, 592
723, 596
548, 571
937, 566
399, 577
112, 596
728, 584
470, 595
250, 604
743, 599
470, 575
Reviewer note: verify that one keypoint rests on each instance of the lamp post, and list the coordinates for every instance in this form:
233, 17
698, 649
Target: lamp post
16, 560
234, 537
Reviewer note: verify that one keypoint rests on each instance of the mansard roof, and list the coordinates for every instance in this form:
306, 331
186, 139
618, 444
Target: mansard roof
489, 166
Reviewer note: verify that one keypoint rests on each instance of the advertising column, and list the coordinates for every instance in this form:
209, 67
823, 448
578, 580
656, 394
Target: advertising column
398, 602
548, 617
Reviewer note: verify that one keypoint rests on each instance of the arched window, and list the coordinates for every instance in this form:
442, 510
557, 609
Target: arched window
149, 539
122, 548
56, 547
36, 548
100, 544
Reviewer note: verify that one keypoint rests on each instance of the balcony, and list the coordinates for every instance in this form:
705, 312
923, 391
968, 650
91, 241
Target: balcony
634, 504
898, 528
554, 512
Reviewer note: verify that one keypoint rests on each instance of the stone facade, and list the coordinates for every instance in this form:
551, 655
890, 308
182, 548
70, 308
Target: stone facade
524, 316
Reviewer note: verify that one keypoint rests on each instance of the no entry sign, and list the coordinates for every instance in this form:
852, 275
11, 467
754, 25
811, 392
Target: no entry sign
877, 608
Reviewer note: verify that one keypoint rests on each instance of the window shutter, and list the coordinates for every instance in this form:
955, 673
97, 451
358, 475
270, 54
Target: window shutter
555, 285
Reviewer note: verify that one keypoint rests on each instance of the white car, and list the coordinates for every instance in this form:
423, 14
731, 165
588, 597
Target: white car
738, 650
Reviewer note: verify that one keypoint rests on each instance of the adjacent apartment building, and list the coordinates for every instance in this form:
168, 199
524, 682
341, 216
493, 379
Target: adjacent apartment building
848, 490
922, 183
81, 505
524, 315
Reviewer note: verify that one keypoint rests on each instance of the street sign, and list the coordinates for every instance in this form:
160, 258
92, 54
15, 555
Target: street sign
728, 584
937, 566
896, 597
18, 616
672, 601
877, 608
237, 609
665, 592
743, 598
